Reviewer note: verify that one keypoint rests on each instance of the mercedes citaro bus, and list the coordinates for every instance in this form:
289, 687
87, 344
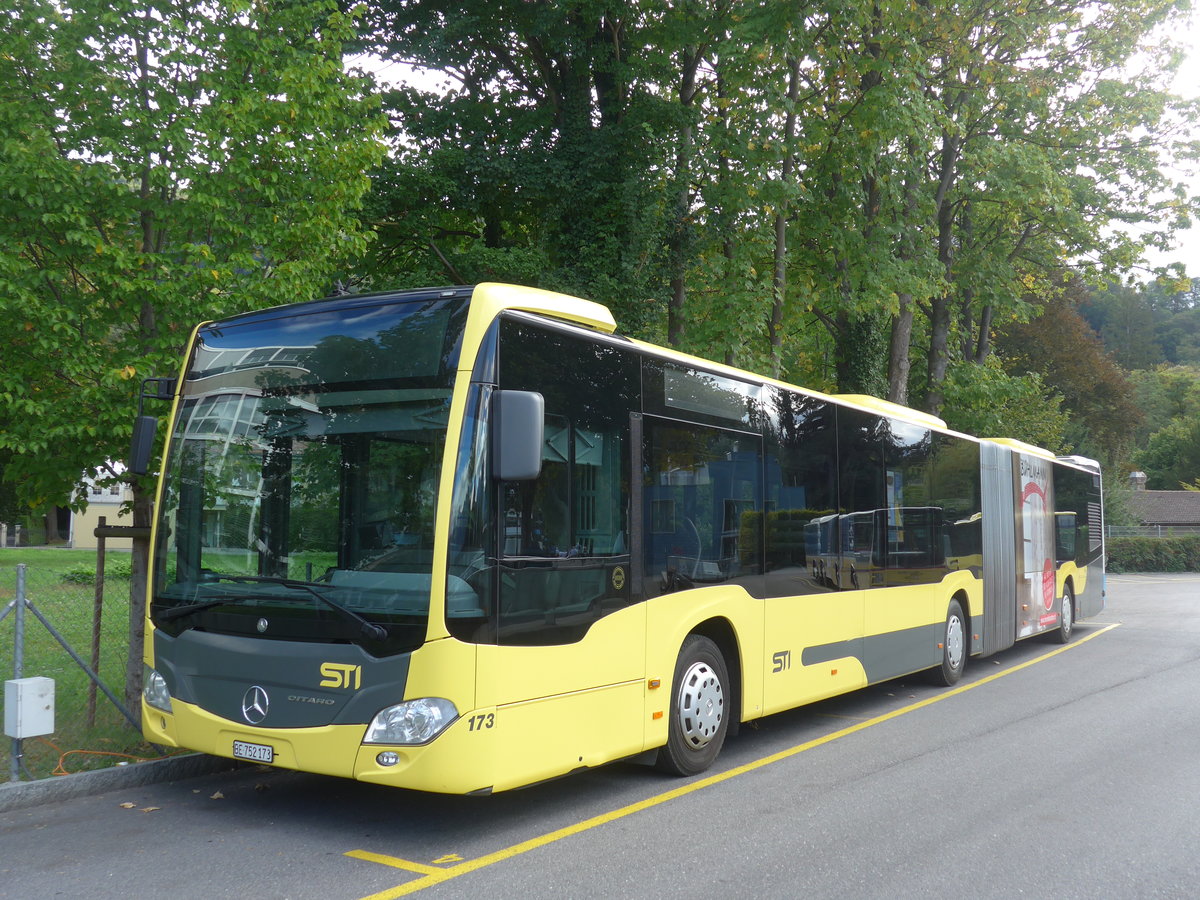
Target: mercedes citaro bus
468, 539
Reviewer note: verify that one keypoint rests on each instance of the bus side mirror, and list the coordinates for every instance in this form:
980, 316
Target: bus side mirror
143, 443
518, 431
144, 426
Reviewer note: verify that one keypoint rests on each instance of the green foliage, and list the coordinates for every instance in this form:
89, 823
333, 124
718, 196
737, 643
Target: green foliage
85, 573
10, 508
1145, 325
541, 160
1171, 456
1125, 322
760, 182
1169, 439
983, 400
1148, 554
1060, 346
1117, 500
1165, 394
161, 163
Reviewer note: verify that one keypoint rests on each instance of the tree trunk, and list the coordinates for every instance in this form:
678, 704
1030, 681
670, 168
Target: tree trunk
680, 237
862, 346
984, 345
899, 364
779, 273
899, 360
939, 353
939, 315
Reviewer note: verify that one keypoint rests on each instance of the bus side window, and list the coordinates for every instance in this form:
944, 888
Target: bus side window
801, 494
703, 507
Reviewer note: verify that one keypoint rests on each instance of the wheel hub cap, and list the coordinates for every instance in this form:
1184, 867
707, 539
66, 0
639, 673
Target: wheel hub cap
954, 641
701, 704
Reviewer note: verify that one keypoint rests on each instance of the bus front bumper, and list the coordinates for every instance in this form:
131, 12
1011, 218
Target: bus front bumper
450, 763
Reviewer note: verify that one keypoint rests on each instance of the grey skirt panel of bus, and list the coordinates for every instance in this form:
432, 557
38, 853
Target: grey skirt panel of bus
999, 548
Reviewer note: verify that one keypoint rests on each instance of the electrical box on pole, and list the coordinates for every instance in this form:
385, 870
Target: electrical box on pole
28, 707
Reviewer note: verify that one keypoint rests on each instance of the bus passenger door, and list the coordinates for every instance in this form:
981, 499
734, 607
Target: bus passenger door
566, 672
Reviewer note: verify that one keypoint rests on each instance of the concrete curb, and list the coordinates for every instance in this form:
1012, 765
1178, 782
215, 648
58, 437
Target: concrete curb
23, 794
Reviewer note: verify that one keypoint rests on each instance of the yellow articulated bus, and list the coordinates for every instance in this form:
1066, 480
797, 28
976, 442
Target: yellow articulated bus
469, 539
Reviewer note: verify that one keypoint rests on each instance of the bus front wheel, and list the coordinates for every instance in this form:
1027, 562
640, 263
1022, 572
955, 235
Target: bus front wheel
954, 647
699, 709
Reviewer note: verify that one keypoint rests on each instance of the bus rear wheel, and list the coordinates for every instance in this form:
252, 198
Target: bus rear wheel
699, 709
954, 647
1066, 620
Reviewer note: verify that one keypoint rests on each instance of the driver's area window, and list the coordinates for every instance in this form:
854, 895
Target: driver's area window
563, 555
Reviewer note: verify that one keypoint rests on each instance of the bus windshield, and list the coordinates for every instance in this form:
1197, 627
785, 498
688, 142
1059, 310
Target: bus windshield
300, 479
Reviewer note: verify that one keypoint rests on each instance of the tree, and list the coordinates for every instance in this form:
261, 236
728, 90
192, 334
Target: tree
1165, 393
982, 399
162, 162
551, 141
1039, 128
872, 184
1171, 458
1062, 349
1175, 303
1125, 320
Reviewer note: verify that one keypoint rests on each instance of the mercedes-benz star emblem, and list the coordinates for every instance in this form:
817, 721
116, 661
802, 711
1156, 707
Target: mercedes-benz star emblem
262, 626
255, 705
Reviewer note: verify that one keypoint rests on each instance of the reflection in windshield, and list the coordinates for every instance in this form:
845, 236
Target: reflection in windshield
310, 467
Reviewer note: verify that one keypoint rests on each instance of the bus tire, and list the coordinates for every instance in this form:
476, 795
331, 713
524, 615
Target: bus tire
1066, 620
954, 647
699, 709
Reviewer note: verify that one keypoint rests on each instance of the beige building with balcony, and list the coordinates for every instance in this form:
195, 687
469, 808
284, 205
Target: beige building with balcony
102, 502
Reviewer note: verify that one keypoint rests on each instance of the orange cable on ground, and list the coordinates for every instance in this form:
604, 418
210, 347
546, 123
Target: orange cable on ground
61, 769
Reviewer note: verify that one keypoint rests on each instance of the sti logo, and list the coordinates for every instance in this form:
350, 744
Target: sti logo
341, 675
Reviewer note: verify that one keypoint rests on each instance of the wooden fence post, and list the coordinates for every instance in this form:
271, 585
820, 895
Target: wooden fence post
97, 620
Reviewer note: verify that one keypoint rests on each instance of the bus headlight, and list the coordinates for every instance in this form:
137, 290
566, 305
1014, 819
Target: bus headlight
154, 690
411, 722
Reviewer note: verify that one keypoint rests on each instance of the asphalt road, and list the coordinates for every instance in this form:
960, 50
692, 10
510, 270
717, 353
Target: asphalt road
1043, 774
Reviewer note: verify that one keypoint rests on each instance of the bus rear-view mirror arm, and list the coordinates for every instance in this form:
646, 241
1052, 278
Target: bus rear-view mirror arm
144, 425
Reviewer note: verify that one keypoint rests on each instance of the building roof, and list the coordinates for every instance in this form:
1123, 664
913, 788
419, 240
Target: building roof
1166, 507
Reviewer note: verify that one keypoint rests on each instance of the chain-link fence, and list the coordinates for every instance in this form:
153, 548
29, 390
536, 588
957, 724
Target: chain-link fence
59, 586
1151, 531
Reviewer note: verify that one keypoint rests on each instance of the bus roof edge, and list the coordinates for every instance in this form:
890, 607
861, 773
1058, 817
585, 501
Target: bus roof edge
547, 303
895, 410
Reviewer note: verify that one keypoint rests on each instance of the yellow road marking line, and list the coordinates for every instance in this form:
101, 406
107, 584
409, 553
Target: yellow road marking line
435, 876
836, 716
395, 862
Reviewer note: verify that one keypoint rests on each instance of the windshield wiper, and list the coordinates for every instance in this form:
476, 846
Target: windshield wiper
369, 629
178, 612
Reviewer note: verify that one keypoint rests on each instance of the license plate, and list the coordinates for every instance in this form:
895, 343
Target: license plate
256, 752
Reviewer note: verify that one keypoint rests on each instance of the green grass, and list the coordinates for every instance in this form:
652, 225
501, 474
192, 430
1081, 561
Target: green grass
52, 585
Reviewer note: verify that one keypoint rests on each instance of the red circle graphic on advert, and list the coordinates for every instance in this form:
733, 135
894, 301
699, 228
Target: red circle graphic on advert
1048, 584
